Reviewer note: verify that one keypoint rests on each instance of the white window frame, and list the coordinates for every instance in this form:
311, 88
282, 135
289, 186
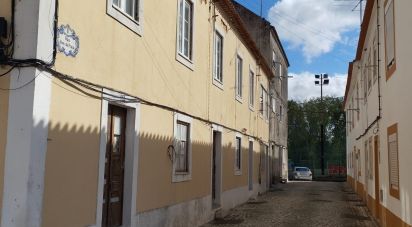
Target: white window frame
183, 176
180, 57
263, 100
273, 105
125, 19
216, 81
274, 56
252, 89
239, 78
238, 171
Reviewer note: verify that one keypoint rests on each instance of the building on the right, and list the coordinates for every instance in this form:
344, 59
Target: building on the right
378, 109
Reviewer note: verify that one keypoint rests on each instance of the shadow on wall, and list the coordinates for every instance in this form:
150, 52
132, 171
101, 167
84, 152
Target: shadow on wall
71, 177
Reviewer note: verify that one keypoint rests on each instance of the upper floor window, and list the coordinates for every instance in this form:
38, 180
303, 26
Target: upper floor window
185, 26
127, 12
128, 7
239, 76
280, 113
218, 58
274, 59
390, 38
251, 88
264, 102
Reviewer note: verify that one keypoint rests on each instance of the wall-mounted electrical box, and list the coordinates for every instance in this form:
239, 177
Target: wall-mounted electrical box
3, 27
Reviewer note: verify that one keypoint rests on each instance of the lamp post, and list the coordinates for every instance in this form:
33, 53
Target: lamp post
320, 80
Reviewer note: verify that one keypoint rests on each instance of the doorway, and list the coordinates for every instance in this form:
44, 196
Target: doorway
377, 190
216, 169
114, 167
250, 177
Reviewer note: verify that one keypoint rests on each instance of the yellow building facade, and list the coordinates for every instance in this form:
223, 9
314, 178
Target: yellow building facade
378, 123
153, 113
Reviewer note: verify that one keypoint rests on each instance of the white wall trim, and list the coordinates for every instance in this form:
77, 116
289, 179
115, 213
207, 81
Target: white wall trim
218, 128
179, 177
28, 118
131, 158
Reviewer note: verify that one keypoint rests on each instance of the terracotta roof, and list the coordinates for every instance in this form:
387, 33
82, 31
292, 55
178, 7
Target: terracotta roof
237, 23
361, 44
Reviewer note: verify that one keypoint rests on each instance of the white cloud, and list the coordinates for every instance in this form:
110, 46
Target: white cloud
302, 86
314, 26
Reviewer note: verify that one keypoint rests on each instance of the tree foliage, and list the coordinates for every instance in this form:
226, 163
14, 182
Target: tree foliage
304, 132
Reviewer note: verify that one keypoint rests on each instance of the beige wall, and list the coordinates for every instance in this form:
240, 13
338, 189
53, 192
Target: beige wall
155, 187
70, 189
144, 66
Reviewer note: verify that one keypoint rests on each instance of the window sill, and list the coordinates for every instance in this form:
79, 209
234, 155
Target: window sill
394, 192
251, 108
239, 99
130, 23
390, 71
218, 84
181, 177
238, 172
184, 61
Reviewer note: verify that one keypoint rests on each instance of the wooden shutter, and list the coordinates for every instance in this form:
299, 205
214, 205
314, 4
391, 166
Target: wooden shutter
393, 160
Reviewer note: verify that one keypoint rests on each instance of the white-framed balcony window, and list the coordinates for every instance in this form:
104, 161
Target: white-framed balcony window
185, 29
239, 77
218, 58
238, 155
127, 12
182, 156
251, 89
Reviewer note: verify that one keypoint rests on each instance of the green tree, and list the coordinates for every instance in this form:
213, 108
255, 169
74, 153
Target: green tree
305, 119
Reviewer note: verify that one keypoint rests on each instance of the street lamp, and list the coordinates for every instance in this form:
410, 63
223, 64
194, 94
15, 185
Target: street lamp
320, 80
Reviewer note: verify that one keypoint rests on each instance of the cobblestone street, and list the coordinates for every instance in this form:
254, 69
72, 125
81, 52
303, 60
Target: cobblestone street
301, 204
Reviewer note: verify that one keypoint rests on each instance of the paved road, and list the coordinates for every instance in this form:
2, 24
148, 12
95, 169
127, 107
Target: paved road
297, 204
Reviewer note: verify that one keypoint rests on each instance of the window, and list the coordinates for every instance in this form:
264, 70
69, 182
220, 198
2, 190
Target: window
375, 62
185, 26
366, 160
182, 152
357, 101
218, 58
239, 76
181, 149
238, 154
273, 105
280, 112
273, 59
369, 70
370, 159
251, 89
128, 7
393, 160
127, 12
263, 102
390, 39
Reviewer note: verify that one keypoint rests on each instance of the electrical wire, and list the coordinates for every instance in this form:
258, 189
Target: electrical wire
7, 72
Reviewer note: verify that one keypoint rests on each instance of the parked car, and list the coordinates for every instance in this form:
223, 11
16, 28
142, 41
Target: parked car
302, 173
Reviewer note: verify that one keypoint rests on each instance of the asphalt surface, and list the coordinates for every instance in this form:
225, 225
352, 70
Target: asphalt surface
297, 204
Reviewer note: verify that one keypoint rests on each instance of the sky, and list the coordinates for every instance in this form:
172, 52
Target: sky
319, 36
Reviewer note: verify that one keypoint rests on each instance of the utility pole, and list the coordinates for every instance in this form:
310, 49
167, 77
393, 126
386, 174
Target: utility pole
322, 79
